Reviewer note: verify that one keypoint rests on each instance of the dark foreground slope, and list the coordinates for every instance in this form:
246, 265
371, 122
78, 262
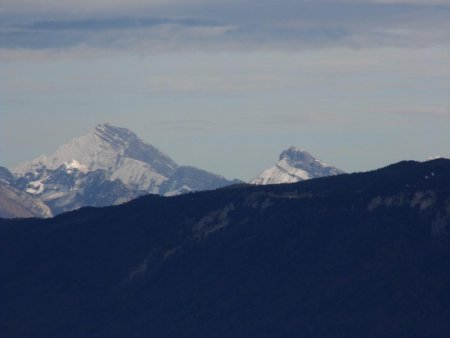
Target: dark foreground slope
361, 255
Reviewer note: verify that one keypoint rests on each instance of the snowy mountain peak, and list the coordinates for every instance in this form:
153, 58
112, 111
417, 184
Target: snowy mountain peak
118, 151
294, 165
108, 165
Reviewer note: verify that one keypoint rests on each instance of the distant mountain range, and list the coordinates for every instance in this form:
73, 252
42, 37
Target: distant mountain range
353, 255
112, 165
109, 165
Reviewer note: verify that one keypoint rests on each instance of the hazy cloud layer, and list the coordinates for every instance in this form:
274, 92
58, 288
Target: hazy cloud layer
90, 5
233, 25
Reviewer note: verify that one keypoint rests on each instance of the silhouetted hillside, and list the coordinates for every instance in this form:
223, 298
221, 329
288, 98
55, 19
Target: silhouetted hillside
359, 255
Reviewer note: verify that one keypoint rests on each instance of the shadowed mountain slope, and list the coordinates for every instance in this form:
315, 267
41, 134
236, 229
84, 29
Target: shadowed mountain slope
359, 255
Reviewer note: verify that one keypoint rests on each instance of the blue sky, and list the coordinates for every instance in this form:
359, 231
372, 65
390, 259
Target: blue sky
227, 85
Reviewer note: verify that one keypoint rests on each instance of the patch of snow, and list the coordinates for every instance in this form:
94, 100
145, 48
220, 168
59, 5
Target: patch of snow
75, 165
35, 188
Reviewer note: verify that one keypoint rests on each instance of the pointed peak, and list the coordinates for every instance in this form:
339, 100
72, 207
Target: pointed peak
296, 154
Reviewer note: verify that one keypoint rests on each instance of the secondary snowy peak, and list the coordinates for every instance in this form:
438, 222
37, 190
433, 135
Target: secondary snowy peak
301, 159
294, 165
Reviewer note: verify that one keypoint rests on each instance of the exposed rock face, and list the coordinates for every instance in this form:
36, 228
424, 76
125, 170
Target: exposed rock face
15, 203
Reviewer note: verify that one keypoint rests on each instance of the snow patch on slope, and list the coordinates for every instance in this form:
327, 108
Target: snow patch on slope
35, 188
282, 172
75, 165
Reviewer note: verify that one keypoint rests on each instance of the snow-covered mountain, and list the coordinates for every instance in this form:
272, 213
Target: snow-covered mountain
118, 151
294, 165
109, 165
112, 165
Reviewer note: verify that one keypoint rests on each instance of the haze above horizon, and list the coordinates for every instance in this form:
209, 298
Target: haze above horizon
227, 85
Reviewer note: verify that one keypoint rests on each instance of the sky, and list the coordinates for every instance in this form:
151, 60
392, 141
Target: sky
227, 85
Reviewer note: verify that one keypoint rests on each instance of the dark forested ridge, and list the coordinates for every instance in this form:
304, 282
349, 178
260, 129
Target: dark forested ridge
357, 255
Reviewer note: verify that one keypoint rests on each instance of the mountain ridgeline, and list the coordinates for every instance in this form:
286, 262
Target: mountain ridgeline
353, 255
112, 165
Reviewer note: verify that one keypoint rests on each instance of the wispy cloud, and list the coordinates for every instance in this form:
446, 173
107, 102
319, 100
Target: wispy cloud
120, 23
233, 25
110, 32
